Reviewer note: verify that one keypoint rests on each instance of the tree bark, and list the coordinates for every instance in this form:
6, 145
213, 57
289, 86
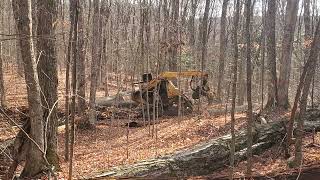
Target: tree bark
2, 90
81, 70
94, 63
271, 54
286, 53
192, 33
307, 27
313, 58
223, 46
75, 7
22, 14
174, 36
234, 86
103, 56
47, 72
241, 84
102, 18
71, 44
164, 38
205, 35
249, 91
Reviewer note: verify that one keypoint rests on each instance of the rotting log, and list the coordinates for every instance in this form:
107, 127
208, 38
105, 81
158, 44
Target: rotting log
209, 156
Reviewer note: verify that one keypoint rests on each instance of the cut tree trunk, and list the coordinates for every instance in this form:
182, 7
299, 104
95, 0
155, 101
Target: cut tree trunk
209, 156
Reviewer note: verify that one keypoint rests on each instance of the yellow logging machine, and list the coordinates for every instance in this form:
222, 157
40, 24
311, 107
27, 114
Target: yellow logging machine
169, 94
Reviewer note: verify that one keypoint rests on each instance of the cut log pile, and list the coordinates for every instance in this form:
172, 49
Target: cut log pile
210, 156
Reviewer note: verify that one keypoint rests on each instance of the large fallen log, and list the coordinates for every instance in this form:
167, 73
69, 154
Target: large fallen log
310, 172
122, 99
207, 157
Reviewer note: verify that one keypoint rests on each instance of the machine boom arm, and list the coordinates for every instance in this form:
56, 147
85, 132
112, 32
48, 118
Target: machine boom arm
173, 75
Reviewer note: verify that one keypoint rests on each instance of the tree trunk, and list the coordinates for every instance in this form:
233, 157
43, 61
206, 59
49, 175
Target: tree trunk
249, 93
81, 69
271, 54
192, 33
205, 35
223, 46
75, 7
174, 36
2, 90
286, 53
34, 162
184, 14
164, 37
48, 77
307, 27
263, 53
94, 63
67, 88
19, 58
105, 13
234, 85
313, 58
102, 18
241, 84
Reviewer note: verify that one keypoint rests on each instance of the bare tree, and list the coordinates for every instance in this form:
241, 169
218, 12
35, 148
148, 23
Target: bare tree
310, 68
164, 37
94, 62
47, 72
67, 86
300, 85
271, 54
234, 84
223, 46
192, 33
205, 35
307, 26
81, 69
249, 91
75, 8
286, 53
174, 35
34, 159
2, 90
104, 58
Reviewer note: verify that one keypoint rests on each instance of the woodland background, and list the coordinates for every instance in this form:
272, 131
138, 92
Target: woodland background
58, 57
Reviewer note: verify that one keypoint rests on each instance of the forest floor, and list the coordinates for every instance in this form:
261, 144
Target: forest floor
111, 145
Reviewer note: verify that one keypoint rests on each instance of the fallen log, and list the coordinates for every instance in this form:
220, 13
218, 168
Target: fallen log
207, 157
306, 172
122, 99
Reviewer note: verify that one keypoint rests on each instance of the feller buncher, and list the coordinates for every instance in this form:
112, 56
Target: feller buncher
169, 94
